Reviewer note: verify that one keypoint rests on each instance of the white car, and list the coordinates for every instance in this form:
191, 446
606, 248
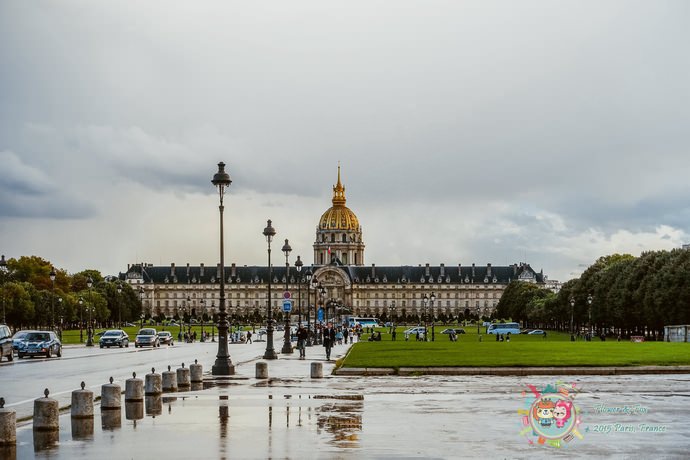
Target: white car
413, 332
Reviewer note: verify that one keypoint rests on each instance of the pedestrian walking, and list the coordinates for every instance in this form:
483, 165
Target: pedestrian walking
328, 340
302, 336
249, 336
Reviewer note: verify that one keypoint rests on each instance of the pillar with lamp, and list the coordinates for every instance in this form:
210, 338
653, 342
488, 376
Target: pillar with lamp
572, 310
119, 305
270, 353
223, 364
81, 319
432, 299
425, 303
52, 298
590, 298
307, 276
89, 329
322, 296
298, 267
203, 318
287, 344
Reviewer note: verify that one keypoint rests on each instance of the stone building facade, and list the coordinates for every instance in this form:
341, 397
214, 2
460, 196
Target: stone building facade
341, 283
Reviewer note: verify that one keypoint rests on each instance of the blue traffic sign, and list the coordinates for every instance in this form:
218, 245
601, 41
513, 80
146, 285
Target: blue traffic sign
287, 306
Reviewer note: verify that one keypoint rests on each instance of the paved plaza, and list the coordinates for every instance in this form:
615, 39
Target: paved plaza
291, 415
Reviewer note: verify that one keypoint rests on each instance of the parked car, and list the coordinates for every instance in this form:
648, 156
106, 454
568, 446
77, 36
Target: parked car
458, 330
413, 332
114, 337
18, 338
40, 343
165, 337
536, 332
147, 337
6, 343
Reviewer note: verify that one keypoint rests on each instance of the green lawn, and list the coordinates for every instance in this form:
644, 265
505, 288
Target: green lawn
521, 351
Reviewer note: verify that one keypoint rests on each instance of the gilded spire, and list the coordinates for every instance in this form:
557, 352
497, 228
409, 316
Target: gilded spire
339, 192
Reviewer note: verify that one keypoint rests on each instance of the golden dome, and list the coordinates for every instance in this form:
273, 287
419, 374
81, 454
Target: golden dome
339, 216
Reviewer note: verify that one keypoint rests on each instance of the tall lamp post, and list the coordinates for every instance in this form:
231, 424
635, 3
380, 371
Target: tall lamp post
223, 364
391, 308
81, 319
3, 270
213, 323
322, 296
478, 318
141, 301
89, 330
432, 299
52, 299
572, 309
287, 346
308, 275
119, 305
425, 302
203, 313
269, 232
298, 267
60, 308
589, 312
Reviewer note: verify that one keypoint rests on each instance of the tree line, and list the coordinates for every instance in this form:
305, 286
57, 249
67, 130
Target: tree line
617, 294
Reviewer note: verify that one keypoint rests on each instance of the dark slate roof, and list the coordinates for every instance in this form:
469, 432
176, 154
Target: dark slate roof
358, 274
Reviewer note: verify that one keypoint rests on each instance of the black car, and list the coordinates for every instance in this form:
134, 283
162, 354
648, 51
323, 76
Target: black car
457, 330
6, 343
45, 343
114, 337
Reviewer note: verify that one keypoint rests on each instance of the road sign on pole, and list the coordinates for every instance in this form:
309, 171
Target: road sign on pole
287, 305
286, 294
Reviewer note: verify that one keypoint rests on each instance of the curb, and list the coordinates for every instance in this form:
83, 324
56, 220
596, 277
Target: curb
511, 371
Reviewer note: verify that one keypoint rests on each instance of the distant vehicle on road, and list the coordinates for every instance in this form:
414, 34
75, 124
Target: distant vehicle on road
413, 331
536, 332
44, 343
165, 337
458, 330
147, 337
504, 328
355, 321
114, 337
18, 338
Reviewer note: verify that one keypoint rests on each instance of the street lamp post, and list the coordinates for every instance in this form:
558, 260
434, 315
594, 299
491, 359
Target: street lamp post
432, 298
141, 317
589, 312
141, 301
119, 305
203, 313
322, 296
425, 301
3, 270
223, 364
213, 323
308, 275
52, 299
287, 345
269, 232
298, 267
81, 320
60, 309
392, 313
89, 330
572, 308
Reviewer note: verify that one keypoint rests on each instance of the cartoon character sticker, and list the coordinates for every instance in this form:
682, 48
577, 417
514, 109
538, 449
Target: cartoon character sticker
550, 416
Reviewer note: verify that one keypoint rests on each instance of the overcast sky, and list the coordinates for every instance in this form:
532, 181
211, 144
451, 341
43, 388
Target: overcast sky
547, 132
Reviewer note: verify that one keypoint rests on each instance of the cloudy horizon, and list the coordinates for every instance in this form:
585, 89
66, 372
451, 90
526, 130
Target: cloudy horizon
550, 133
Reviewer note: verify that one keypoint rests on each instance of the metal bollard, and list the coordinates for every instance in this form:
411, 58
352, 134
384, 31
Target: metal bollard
8, 425
183, 377
316, 370
197, 372
82, 403
153, 383
262, 370
111, 396
134, 389
169, 381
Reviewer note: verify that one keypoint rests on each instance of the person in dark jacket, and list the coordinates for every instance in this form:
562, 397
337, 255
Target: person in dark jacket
328, 340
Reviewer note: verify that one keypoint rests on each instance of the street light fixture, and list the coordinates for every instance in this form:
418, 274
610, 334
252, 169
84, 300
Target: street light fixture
52, 298
298, 266
269, 232
81, 320
590, 298
432, 298
287, 346
425, 301
308, 275
223, 364
89, 329
119, 305
572, 308
60, 308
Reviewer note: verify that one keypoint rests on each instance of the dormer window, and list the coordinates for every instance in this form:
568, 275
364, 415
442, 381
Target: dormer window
467, 279
447, 278
213, 279
421, 280
486, 279
385, 279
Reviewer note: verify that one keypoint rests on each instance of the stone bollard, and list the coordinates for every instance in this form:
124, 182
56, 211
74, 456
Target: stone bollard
111, 396
316, 370
46, 422
134, 389
8, 425
196, 371
169, 381
82, 403
262, 370
183, 377
153, 383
